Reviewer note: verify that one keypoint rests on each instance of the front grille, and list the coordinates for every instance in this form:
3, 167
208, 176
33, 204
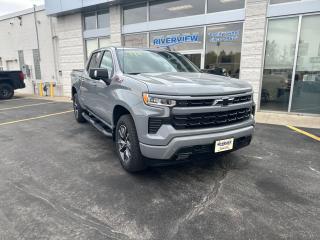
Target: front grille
194, 103
242, 99
213, 119
210, 102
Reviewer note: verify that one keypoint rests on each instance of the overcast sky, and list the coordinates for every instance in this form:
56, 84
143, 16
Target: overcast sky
10, 6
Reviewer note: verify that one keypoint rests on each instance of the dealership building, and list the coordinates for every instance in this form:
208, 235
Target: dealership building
273, 44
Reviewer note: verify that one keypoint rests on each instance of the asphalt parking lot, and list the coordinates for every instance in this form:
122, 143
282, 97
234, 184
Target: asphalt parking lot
62, 180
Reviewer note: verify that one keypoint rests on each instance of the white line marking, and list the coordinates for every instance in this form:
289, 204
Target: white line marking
15, 99
23, 106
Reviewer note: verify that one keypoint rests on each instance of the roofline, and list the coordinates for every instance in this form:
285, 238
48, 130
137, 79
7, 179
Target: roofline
22, 12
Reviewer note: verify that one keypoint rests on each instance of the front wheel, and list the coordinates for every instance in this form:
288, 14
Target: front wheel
6, 91
127, 145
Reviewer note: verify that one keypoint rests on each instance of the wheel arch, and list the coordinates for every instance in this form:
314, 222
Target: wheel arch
73, 91
118, 111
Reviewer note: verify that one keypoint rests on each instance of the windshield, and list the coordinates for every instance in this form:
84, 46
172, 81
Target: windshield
136, 61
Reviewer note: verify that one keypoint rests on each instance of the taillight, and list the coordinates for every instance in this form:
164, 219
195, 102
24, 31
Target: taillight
21, 76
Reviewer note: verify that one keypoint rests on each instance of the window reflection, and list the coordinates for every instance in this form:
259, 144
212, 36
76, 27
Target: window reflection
165, 9
90, 21
103, 19
223, 49
306, 89
279, 59
224, 5
91, 45
283, 1
135, 13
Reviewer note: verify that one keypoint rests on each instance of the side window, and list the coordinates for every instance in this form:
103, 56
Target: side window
94, 61
107, 62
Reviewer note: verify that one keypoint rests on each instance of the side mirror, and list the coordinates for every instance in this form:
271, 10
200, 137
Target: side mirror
100, 74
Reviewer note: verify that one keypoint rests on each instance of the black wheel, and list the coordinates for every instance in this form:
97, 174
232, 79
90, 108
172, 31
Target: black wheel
6, 91
127, 145
78, 110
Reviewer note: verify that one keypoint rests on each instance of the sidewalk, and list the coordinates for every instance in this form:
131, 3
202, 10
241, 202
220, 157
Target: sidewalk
261, 117
288, 119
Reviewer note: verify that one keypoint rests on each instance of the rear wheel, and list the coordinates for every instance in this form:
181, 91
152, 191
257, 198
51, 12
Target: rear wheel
78, 110
6, 91
127, 145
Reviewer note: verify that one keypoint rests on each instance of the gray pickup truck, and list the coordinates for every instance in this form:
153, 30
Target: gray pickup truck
159, 108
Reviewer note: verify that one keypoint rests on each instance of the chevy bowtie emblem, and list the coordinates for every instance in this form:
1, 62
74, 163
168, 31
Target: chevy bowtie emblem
223, 101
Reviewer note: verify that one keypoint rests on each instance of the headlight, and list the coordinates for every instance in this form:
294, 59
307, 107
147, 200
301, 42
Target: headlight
157, 101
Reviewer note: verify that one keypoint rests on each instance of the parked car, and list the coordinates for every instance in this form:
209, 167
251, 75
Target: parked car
156, 104
10, 81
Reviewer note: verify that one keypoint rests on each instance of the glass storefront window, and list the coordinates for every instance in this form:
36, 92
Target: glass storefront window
283, 1
90, 21
135, 13
136, 40
103, 19
223, 49
279, 60
224, 5
178, 40
91, 45
306, 88
166, 9
104, 42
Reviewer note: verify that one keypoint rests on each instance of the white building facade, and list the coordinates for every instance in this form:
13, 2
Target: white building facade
273, 44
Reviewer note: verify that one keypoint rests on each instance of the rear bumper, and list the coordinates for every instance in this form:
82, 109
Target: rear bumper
176, 144
20, 85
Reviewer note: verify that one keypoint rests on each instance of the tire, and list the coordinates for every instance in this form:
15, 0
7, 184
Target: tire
127, 145
78, 110
6, 91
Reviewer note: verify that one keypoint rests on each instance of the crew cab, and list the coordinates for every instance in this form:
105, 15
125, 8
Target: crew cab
159, 108
10, 81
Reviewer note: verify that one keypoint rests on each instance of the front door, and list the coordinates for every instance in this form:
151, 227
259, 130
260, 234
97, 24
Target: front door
88, 85
104, 105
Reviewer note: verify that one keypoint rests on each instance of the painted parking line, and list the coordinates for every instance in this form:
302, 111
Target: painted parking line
14, 99
304, 133
23, 106
34, 118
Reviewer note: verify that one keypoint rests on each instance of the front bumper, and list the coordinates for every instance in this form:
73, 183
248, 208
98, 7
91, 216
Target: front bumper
177, 143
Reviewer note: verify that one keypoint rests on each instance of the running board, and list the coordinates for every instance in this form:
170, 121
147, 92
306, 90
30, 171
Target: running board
97, 124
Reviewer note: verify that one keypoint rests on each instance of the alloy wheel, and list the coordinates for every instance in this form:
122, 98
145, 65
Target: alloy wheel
124, 144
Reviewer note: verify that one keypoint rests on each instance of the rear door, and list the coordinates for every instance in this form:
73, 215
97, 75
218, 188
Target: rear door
88, 85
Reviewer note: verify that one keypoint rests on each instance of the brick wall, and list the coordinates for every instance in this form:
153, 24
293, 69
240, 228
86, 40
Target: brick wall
70, 49
253, 44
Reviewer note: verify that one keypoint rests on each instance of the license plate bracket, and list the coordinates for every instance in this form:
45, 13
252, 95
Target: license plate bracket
223, 145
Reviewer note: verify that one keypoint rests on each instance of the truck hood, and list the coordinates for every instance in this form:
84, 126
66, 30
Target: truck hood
188, 84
